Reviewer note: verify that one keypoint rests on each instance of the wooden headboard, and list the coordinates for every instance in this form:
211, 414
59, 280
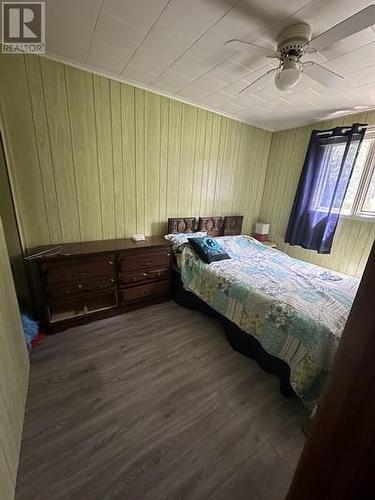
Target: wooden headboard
215, 226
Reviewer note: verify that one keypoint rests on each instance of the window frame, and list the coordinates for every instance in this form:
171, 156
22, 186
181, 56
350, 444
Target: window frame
356, 211
364, 184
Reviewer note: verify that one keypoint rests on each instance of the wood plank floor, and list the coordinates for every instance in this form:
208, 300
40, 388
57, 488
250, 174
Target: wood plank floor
154, 405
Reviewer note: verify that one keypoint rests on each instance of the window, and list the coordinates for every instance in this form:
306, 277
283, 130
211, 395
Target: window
359, 200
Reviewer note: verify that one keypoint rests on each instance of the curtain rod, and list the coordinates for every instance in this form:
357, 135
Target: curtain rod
330, 131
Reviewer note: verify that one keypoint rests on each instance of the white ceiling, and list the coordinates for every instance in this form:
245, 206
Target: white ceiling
176, 48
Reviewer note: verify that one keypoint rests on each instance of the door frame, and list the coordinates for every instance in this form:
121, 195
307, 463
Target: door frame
338, 459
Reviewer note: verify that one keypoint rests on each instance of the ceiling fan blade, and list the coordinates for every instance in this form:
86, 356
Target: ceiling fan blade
249, 47
257, 80
321, 74
353, 24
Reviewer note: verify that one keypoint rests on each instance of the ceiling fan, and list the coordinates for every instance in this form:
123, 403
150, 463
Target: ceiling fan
294, 42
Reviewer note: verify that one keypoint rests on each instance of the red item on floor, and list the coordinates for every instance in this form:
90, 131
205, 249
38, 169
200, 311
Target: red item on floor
38, 339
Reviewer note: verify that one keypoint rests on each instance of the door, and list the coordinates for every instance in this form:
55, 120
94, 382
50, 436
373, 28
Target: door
338, 460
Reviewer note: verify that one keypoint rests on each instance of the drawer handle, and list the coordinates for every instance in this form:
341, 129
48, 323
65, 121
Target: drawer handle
145, 292
140, 277
112, 280
80, 273
80, 285
110, 261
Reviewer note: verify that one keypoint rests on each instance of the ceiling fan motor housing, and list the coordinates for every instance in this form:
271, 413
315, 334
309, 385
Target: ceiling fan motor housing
292, 40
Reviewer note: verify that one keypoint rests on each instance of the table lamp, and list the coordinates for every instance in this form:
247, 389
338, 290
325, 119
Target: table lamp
261, 231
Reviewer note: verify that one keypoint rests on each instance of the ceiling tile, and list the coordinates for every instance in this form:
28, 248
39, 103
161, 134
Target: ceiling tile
177, 47
66, 48
192, 94
364, 76
229, 71
85, 9
171, 81
66, 25
218, 99
106, 57
208, 84
191, 66
111, 32
140, 75
248, 100
160, 49
139, 13
352, 60
118, 33
195, 17
235, 88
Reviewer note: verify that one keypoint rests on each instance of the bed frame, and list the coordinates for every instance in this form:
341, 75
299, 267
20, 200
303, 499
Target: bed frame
214, 226
238, 339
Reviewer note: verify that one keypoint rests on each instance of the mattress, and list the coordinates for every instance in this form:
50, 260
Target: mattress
296, 310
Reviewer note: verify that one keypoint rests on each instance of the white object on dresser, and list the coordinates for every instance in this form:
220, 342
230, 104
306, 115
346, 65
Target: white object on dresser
138, 237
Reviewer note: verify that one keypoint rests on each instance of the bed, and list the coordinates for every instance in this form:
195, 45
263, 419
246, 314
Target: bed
287, 314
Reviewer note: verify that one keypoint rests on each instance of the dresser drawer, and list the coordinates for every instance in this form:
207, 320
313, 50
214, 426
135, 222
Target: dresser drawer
79, 287
81, 306
151, 291
157, 259
77, 269
142, 277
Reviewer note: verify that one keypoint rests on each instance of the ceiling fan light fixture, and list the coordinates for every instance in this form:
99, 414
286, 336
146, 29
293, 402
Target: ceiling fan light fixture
289, 75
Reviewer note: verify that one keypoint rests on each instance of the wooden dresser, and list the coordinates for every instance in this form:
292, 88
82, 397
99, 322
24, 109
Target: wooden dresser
92, 280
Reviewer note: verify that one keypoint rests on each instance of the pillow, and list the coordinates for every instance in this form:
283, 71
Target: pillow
180, 239
208, 249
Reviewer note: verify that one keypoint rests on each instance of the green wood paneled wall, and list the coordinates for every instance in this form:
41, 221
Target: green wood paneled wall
14, 373
353, 239
92, 158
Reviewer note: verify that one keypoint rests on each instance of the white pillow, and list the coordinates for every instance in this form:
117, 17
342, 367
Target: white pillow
180, 239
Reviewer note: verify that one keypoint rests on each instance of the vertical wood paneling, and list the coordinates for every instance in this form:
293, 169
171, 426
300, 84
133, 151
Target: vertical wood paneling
353, 238
35, 84
140, 159
102, 107
199, 151
14, 372
85, 156
107, 160
19, 128
187, 165
174, 150
53, 77
163, 161
117, 147
128, 140
209, 168
218, 185
152, 162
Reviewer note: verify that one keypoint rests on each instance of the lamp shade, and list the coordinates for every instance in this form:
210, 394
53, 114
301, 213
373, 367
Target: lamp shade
262, 228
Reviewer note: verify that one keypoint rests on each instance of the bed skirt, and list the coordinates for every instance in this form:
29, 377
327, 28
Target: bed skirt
240, 341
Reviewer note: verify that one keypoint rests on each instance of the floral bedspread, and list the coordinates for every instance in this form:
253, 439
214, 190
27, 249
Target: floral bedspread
296, 310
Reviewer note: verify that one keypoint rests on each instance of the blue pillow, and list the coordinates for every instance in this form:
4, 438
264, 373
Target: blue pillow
208, 249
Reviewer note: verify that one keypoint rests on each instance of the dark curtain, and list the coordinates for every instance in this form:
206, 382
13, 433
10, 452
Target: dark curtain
325, 177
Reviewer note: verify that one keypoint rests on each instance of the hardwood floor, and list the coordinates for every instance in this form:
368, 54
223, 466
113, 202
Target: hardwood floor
154, 405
